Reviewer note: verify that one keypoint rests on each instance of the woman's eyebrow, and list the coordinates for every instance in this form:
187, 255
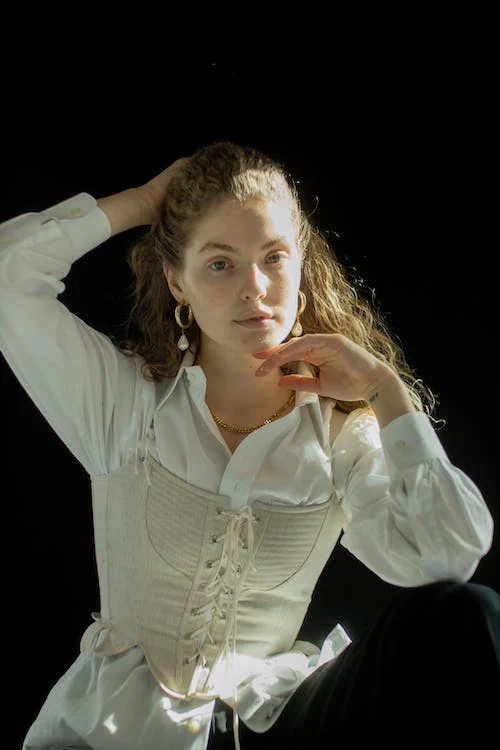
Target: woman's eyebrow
231, 249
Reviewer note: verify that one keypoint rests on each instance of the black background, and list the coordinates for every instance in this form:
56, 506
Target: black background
394, 148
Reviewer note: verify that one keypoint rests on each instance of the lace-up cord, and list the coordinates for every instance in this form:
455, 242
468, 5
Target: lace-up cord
226, 581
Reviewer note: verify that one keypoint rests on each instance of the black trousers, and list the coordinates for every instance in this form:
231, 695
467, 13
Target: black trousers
426, 675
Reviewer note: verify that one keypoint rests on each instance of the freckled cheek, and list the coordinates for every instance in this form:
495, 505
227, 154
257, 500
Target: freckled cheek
286, 292
204, 294
211, 303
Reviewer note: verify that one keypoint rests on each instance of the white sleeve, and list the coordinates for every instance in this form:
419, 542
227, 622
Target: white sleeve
411, 516
91, 394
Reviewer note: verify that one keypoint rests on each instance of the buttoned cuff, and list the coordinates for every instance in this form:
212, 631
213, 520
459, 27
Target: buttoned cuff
409, 440
81, 220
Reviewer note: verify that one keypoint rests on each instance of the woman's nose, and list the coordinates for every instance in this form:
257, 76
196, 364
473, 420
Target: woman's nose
255, 282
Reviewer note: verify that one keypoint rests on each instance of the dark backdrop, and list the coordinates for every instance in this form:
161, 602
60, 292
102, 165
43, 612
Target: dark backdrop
394, 153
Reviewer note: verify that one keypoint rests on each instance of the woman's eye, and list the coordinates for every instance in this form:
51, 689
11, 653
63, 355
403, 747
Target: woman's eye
278, 256
215, 263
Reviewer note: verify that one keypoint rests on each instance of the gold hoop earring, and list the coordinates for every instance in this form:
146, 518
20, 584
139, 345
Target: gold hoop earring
183, 343
297, 328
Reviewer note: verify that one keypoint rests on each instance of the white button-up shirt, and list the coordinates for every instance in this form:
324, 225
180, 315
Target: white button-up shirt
411, 516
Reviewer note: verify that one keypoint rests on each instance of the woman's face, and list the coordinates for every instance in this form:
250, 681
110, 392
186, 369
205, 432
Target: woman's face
242, 258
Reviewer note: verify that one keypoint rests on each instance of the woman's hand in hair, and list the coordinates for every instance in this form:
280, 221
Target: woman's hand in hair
152, 193
138, 206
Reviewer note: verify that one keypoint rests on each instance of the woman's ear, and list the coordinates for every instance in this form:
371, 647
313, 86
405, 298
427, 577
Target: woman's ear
172, 280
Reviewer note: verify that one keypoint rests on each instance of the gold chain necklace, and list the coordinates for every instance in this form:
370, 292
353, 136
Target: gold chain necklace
245, 430
251, 429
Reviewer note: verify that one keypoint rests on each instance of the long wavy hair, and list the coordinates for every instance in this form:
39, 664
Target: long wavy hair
213, 174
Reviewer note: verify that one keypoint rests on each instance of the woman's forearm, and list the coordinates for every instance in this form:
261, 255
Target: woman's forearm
125, 210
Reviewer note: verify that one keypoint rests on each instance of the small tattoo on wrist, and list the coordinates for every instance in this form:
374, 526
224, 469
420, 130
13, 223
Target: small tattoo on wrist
373, 398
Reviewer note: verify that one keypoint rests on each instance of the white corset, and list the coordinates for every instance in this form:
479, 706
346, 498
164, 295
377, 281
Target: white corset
192, 582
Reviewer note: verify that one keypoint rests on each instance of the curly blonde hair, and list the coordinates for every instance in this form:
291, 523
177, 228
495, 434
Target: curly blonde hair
213, 174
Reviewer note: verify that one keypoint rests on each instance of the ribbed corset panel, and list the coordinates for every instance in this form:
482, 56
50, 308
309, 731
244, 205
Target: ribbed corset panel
192, 582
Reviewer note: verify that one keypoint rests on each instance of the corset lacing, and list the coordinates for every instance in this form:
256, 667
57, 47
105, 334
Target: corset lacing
223, 591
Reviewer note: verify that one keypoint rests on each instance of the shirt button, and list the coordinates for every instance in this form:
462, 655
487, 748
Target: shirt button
75, 212
400, 445
190, 376
194, 725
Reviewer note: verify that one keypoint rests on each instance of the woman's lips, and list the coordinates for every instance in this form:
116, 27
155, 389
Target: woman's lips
254, 322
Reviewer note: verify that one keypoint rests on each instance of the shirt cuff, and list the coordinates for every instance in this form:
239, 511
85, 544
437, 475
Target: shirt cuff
409, 440
81, 219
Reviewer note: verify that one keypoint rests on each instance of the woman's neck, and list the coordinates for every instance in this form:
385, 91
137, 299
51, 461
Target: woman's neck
239, 395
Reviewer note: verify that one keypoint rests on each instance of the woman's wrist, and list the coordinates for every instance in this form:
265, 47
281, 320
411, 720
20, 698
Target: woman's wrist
388, 397
126, 210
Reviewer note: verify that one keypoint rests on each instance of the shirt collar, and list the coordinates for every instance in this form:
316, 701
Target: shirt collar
170, 384
301, 398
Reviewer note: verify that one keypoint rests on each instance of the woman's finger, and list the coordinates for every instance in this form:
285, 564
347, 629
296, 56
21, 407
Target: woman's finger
300, 383
296, 349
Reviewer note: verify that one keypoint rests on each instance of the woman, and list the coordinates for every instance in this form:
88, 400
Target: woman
257, 408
